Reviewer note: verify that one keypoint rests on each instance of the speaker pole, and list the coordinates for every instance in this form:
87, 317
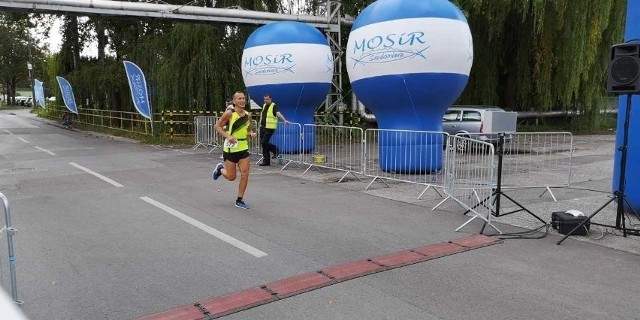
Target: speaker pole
622, 179
623, 77
619, 195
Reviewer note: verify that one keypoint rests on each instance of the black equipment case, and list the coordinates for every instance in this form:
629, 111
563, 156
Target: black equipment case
565, 222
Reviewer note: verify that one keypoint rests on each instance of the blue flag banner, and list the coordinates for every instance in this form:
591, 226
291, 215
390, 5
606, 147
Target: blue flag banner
39, 91
138, 86
67, 94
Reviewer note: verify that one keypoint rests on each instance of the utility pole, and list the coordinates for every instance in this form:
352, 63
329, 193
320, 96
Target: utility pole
30, 67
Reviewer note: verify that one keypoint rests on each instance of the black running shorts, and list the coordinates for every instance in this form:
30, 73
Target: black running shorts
235, 157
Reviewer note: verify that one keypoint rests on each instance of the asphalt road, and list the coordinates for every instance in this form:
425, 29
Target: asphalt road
111, 229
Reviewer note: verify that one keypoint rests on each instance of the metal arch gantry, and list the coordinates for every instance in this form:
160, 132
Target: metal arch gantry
332, 11
328, 18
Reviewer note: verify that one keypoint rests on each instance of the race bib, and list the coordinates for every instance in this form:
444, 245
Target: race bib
228, 144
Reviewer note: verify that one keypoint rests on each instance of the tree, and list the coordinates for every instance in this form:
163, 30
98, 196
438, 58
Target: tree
202, 63
15, 52
528, 54
541, 54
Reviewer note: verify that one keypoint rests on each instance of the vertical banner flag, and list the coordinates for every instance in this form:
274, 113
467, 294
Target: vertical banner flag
39, 91
67, 94
138, 86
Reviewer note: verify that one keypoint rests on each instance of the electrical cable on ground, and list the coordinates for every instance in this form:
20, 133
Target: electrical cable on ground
527, 234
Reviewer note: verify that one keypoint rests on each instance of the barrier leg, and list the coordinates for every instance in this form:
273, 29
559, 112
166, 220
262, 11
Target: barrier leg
374, 179
427, 188
290, 162
547, 189
440, 203
487, 221
305, 171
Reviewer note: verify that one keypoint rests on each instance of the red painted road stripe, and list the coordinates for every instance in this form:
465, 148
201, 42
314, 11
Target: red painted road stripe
401, 258
476, 241
351, 270
181, 313
298, 284
273, 291
440, 250
231, 303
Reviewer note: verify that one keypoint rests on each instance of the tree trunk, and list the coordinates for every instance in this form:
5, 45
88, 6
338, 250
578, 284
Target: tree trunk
102, 40
509, 99
13, 90
75, 41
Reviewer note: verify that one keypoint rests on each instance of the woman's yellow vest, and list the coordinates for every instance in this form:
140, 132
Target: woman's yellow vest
241, 133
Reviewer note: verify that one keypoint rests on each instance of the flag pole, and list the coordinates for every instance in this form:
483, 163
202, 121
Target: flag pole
149, 96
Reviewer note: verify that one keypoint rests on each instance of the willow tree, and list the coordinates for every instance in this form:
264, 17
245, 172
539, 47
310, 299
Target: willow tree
537, 54
101, 82
529, 54
195, 65
541, 54
186, 75
202, 63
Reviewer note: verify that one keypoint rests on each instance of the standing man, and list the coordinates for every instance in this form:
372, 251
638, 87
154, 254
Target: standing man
268, 124
236, 145
229, 104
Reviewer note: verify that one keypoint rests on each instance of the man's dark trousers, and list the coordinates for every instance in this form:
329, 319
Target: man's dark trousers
265, 137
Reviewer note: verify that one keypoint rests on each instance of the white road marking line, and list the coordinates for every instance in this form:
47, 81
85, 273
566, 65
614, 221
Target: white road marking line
97, 175
23, 140
9, 132
222, 236
45, 150
77, 148
183, 152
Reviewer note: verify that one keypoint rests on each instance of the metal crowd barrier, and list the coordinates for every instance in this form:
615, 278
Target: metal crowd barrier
10, 231
406, 156
463, 166
337, 148
535, 159
289, 139
254, 143
470, 177
205, 135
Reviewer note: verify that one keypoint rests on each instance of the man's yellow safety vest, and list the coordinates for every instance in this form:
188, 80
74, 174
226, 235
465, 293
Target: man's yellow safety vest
271, 120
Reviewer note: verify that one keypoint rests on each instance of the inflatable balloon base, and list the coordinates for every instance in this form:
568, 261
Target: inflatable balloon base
411, 159
291, 140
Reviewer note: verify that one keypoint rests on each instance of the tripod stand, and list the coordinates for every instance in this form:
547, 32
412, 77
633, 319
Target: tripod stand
618, 195
498, 192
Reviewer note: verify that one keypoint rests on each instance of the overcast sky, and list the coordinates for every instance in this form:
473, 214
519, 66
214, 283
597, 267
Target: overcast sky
54, 41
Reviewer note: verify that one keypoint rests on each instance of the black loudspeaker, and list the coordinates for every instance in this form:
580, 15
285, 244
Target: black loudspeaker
624, 68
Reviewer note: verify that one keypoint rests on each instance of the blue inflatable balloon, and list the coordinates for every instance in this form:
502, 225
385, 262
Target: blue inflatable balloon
632, 187
293, 63
408, 61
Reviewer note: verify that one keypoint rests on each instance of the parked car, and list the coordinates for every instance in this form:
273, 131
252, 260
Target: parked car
477, 122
